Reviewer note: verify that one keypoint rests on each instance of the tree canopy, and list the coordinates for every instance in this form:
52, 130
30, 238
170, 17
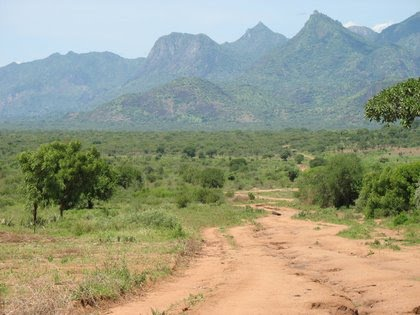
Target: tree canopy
63, 174
399, 102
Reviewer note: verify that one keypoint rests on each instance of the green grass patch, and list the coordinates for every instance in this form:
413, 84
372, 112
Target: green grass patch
358, 230
112, 281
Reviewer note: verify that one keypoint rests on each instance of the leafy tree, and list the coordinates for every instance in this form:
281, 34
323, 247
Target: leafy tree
336, 184
212, 178
189, 151
390, 191
399, 102
292, 173
299, 158
317, 161
211, 153
160, 149
285, 154
39, 169
237, 164
63, 174
127, 174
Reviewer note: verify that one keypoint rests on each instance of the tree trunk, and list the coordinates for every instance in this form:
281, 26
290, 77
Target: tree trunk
61, 210
35, 213
90, 204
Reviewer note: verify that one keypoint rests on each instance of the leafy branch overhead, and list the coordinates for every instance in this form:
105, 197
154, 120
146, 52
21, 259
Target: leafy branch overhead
399, 102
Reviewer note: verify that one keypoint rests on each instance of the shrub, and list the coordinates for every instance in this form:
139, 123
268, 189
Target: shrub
189, 151
238, 164
208, 195
285, 154
183, 200
317, 161
390, 191
299, 158
212, 178
251, 196
335, 184
292, 173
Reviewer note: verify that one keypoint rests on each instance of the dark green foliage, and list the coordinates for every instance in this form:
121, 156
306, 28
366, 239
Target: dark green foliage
336, 184
212, 178
64, 174
183, 200
237, 164
209, 195
399, 102
285, 154
390, 191
189, 151
299, 158
127, 175
292, 173
317, 161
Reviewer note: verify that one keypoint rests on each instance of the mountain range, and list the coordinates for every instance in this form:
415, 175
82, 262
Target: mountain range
320, 78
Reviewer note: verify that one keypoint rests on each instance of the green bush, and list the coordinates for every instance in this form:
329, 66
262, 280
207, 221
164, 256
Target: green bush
336, 184
390, 191
183, 200
299, 158
212, 178
208, 195
239, 164
317, 161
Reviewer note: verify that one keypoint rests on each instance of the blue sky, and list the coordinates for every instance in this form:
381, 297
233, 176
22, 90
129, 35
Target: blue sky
34, 29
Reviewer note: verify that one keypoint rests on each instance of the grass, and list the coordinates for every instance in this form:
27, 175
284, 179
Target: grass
358, 230
103, 253
385, 243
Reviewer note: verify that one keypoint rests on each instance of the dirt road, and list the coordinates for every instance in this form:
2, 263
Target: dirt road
284, 266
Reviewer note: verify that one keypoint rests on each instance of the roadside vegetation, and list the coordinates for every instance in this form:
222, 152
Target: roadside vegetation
148, 196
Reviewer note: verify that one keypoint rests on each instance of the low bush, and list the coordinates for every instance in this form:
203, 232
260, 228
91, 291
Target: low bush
208, 195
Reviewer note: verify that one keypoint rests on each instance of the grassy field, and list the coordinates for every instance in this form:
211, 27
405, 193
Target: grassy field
147, 229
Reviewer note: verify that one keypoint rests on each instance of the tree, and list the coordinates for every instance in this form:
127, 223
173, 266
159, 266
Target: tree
212, 178
299, 158
63, 174
292, 173
390, 191
285, 154
39, 170
189, 151
335, 184
399, 102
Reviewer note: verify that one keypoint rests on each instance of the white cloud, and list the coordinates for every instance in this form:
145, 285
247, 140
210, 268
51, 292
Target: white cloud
350, 23
381, 26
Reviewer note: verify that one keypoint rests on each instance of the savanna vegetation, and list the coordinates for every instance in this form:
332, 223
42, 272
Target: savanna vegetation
116, 210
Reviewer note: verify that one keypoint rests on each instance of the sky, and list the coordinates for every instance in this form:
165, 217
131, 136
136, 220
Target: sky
35, 29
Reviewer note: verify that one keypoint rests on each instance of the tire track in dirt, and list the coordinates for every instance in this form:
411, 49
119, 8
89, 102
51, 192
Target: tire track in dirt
286, 266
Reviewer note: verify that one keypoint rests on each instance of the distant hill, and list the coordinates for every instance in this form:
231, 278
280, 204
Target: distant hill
405, 34
182, 101
320, 78
60, 83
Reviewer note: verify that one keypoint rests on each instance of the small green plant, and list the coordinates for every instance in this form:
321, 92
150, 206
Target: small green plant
251, 196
